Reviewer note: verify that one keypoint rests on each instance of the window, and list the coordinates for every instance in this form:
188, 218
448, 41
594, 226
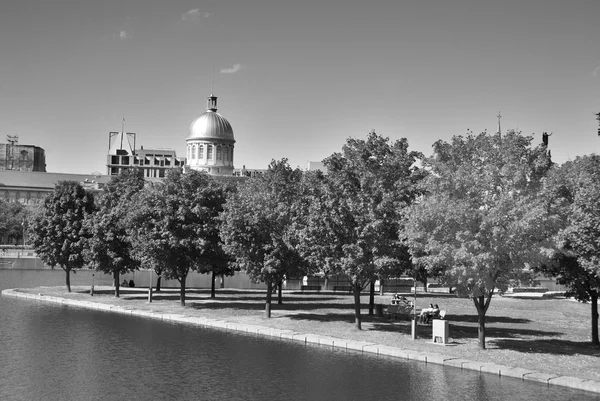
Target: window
209, 150
201, 152
218, 153
193, 152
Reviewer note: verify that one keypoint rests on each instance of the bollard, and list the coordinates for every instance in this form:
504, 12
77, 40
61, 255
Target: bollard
150, 294
92, 291
413, 328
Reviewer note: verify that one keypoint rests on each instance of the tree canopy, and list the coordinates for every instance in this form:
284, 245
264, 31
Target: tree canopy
572, 193
173, 223
12, 217
259, 226
110, 249
480, 223
355, 217
57, 232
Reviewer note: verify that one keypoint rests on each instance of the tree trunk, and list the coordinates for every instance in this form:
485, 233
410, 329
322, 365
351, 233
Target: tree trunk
357, 321
371, 297
212, 284
425, 285
158, 283
268, 303
482, 304
595, 319
222, 281
68, 278
279, 298
182, 291
117, 283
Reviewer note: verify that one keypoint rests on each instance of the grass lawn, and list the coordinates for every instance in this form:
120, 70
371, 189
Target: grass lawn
546, 335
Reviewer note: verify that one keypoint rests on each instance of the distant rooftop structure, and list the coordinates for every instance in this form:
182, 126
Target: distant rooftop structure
122, 154
313, 166
30, 188
21, 157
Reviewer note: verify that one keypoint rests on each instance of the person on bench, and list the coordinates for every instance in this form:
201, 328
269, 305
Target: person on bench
424, 313
435, 313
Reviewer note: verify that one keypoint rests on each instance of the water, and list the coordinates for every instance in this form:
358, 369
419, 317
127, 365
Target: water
53, 352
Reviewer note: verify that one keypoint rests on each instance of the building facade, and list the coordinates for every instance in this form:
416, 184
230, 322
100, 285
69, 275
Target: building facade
21, 157
30, 188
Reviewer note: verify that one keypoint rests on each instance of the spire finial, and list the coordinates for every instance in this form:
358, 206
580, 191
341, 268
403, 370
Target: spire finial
499, 117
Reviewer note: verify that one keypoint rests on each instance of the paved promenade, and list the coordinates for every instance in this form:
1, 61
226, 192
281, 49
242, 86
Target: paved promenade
326, 341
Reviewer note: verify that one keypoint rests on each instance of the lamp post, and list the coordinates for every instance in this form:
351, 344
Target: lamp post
23, 244
413, 326
150, 288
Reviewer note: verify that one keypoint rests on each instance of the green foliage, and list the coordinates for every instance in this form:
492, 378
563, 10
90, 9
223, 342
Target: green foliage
259, 225
357, 211
572, 194
174, 224
12, 216
481, 222
110, 249
57, 232
354, 222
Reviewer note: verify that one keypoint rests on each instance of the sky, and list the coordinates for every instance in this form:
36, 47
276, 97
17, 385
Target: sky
296, 79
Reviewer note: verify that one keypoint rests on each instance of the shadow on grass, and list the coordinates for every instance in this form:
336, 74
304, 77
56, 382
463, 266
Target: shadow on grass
294, 306
488, 319
549, 346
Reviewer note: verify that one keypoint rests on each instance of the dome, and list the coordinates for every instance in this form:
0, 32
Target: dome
211, 125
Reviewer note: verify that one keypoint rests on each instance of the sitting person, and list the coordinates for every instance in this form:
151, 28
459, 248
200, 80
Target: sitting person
425, 313
131, 283
124, 283
435, 313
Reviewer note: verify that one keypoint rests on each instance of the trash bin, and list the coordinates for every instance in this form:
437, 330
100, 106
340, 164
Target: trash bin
440, 331
379, 309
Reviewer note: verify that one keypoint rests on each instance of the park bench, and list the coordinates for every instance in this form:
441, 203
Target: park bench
346, 288
310, 288
440, 315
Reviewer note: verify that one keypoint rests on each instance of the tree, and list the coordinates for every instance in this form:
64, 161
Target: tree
57, 233
12, 218
110, 249
480, 223
173, 222
259, 227
572, 193
217, 262
355, 217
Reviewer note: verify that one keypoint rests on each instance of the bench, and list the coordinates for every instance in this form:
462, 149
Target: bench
310, 288
440, 315
346, 288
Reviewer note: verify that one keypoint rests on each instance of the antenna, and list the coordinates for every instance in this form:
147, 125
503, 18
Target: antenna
499, 117
122, 131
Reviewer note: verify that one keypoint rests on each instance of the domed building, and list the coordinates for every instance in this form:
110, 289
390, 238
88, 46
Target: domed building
210, 142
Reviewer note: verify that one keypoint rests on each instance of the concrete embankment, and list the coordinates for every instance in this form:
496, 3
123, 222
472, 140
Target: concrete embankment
325, 341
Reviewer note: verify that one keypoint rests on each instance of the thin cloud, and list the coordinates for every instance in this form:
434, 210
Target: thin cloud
232, 70
122, 35
194, 14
